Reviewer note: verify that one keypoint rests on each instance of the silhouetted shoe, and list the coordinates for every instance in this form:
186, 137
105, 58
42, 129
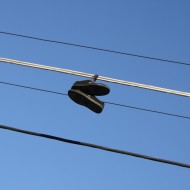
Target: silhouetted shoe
91, 88
88, 101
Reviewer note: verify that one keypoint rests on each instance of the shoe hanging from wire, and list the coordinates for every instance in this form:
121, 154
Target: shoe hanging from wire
84, 92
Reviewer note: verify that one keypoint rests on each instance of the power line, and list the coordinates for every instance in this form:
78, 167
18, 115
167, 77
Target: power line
96, 146
96, 48
33, 88
149, 110
111, 103
87, 75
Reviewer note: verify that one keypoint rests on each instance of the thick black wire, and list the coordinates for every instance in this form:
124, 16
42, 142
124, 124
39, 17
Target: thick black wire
111, 103
95, 48
96, 146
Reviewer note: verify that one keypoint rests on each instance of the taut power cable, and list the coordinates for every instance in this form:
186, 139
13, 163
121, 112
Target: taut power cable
96, 146
88, 75
96, 48
111, 103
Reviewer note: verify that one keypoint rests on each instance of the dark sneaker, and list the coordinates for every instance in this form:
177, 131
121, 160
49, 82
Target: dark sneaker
91, 88
88, 101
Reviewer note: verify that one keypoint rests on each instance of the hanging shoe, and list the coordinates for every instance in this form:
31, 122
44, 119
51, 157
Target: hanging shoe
91, 88
88, 101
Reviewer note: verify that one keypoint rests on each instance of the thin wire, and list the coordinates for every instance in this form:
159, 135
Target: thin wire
111, 103
87, 75
148, 110
33, 88
96, 146
95, 48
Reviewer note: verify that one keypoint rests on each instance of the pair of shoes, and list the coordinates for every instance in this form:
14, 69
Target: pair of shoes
84, 92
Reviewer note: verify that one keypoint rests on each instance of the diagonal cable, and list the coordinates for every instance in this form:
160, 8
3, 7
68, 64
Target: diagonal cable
96, 48
111, 103
96, 146
88, 75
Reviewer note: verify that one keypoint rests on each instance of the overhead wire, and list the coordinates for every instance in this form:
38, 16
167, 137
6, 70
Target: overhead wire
96, 146
32, 88
111, 103
147, 110
96, 48
88, 75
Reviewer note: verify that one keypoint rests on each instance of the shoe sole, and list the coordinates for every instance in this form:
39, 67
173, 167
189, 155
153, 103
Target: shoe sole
86, 100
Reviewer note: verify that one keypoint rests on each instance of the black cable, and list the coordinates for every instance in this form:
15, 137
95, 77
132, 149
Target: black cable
148, 110
96, 146
111, 103
32, 88
95, 48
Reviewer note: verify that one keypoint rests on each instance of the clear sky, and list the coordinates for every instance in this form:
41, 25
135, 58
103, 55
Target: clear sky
153, 28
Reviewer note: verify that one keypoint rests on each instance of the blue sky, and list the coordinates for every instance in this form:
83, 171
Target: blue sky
153, 28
